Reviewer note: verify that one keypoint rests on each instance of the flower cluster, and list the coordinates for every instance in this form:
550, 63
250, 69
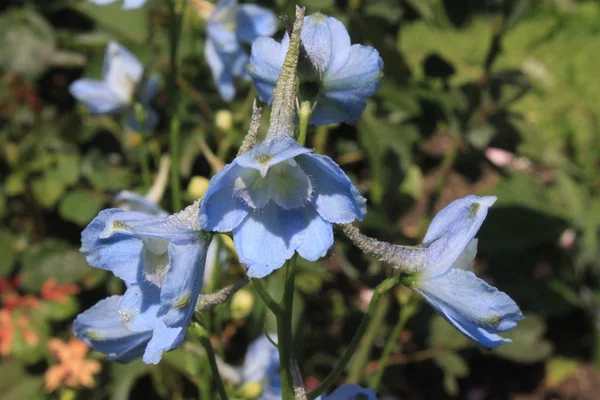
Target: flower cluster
72, 369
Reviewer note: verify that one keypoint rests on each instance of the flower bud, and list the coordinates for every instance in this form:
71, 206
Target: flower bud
224, 120
197, 187
251, 390
241, 304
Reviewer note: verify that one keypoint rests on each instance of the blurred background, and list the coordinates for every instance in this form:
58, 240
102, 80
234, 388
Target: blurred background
495, 97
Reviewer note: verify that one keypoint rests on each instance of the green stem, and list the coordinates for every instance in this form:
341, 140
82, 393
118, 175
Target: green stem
175, 25
213, 367
144, 165
303, 116
403, 317
285, 338
380, 290
321, 139
266, 297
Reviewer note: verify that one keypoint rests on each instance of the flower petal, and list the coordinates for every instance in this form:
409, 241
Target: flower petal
351, 391
318, 236
268, 237
163, 339
131, 4
475, 308
102, 328
120, 254
220, 71
254, 21
266, 61
132, 201
139, 305
121, 71
451, 231
360, 73
259, 357
268, 153
97, 96
326, 41
335, 197
221, 211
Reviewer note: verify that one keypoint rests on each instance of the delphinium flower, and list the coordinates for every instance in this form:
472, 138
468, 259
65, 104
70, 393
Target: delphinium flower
280, 198
440, 270
161, 260
339, 77
116, 92
127, 4
228, 27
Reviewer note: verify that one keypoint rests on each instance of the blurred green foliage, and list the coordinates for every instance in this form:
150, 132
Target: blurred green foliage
488, 97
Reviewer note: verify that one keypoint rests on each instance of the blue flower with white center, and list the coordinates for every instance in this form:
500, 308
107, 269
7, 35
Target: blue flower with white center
127, 4
114, 94
161, 260
228, 26
342, 76
279, 198
441, 272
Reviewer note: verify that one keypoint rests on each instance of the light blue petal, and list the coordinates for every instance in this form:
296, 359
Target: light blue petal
97, 96
268, 237
475, 308
221, 210
254, 21
140, 304
119, 253
122, 71
163, 339
131, 4
350, 392
183, 282
266, 61
102, 328
259, 357
335, 106
326, 41
359, 75
318, 236
451, 231
335, 197
224, 67
269, 153
131, 201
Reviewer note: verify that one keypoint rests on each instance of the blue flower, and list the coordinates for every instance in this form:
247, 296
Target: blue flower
441, 273
114, 94
228, 25
343, 75
279, 198
132, 201
127, 4
350, 392
261, 364
161, 260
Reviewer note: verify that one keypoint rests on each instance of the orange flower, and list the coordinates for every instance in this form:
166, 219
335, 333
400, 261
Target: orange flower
7, 331
73, 369
51, 290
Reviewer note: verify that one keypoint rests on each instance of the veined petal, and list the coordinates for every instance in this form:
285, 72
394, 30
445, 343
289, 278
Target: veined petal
266, 61
163, 339
349, 392
269, 153
360, 74
97, 96
221, 211
120, 254
318, 236
183, 282
122, 71
102, 328
268, 237
326, 41
451, 231
475, 308
335, 197
139, 305
254, 21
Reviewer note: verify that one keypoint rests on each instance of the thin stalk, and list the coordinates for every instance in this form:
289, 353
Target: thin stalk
266, 297
285, 338
213, 367
380, 290
175, 26
144, 165
403, 317
303, 117
321, 139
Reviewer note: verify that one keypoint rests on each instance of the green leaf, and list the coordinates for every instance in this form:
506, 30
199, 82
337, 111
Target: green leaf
52, 259
132, 24
16, 384
47, 191
452, 363
66, 170
59, 311
528, 346
80, 206
124, 377
7, 254
558, 369
444, 335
